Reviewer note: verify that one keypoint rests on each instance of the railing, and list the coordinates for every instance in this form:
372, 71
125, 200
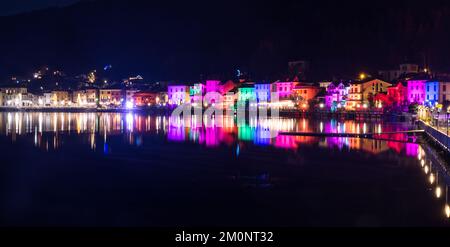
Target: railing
440, 137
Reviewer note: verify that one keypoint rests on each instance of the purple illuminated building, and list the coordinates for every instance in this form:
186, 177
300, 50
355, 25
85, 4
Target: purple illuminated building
416, 91
336, 94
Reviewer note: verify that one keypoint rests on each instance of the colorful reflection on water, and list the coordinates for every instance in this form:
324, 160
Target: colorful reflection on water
48, 131
216, 132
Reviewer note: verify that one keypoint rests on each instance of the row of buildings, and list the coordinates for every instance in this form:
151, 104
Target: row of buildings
20, 96
349, 95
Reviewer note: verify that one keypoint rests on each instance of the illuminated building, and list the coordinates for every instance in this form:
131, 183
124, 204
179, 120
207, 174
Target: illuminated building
398, 94
246, 92
196, 93
85, 97
444, 92
336, 94
364, 92
178, 94
283, 89
262, 92
111, 96
325, 84
129, 94
15, 96
432, 92
305, 93
146, 98
60, 98
213, 88
416, 91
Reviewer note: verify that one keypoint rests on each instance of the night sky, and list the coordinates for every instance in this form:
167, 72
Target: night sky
10, 7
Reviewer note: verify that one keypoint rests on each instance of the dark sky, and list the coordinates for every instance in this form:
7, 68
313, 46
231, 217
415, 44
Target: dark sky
162, 40
11, 7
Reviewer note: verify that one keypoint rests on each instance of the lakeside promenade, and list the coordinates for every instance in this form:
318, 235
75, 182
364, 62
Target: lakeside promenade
439, 134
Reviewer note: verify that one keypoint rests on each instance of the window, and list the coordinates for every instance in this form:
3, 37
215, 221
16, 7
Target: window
444, 88
444, 97
428, 88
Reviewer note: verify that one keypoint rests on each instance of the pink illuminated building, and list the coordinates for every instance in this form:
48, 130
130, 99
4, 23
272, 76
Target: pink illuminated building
416, 91
212, 86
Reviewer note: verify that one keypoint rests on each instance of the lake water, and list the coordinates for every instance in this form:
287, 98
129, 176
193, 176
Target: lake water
125, 169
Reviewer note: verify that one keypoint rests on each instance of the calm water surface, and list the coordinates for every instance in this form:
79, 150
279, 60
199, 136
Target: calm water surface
125, 169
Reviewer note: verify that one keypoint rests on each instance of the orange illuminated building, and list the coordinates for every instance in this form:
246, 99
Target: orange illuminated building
305, 93
146, 98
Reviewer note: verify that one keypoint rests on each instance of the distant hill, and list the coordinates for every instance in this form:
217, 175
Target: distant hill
183, 40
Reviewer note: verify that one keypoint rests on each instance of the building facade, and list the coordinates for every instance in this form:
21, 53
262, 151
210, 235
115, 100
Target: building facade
432, 93
283, 89
262, 92
111, 97
305, 93
398, 94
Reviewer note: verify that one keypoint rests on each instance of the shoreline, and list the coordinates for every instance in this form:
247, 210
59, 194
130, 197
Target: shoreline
371, 115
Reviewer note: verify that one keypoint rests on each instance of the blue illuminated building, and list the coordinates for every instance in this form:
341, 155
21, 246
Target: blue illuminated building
262, 91
432, 92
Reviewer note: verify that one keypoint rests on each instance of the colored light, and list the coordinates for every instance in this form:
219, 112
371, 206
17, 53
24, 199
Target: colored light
438, 192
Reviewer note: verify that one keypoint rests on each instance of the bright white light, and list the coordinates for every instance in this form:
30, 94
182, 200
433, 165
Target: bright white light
432, 178
447, 210
321, 105
129, 105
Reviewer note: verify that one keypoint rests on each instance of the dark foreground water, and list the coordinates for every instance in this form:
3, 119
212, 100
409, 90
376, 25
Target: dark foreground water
88, 169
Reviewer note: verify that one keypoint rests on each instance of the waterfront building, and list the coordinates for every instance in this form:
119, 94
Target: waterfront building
416, 91
362, 93
111, 96
60, 98
213, 88
129, 95
85, 97
444, 92
16, 96
196, 93
230, 98
178, 94
283, 89
432, 92
262, 92
48, 99
227, 87
146, 98
246, 92
305, 93
398, 94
